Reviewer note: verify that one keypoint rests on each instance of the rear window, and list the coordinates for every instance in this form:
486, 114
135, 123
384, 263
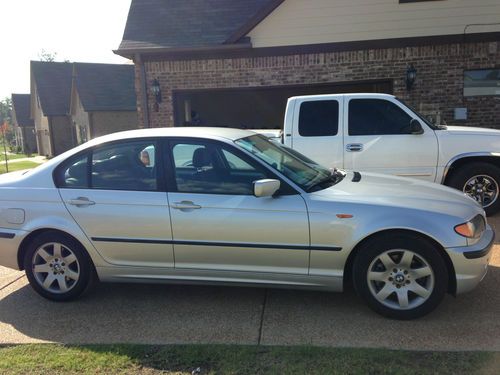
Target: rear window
319, 118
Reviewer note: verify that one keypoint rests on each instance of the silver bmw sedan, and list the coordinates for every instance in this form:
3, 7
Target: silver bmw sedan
226, 206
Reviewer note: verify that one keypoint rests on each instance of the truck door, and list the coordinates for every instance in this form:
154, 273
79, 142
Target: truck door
316, 129
378, 138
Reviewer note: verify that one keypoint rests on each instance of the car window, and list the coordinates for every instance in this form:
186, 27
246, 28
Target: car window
74, 173
124, 166
209, 168
377, 117
319, 118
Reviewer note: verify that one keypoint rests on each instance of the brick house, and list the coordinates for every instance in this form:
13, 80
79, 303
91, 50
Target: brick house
50, 100
103, 100
235, 62
24, 126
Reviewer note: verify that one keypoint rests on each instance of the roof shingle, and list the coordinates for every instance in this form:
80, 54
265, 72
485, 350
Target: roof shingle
21, 106
105, 87
53, 84
186, 23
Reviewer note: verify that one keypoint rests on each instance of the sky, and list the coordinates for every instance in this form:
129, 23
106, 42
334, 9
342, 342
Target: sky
76, 30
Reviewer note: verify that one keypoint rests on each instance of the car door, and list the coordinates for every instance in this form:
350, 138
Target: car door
217, 222
115, 194
377, 138
317, 131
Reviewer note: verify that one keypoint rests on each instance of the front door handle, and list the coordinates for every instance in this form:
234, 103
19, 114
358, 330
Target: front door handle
81, 202
185, 205
354, 147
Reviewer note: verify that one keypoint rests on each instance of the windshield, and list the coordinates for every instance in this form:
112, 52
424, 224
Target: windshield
296, 169
421, 117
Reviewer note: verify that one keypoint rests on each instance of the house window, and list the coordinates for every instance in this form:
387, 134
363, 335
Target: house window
482, 82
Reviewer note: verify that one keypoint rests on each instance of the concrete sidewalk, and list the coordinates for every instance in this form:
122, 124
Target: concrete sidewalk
162, 314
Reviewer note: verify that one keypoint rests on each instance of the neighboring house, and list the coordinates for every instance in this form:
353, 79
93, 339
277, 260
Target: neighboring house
50, 101
235, 62
24, 125
103, 100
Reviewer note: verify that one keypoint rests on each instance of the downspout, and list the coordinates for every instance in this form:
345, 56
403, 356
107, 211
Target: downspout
144, 87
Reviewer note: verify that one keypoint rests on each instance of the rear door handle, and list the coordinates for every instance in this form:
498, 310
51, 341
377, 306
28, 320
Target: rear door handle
185, 205
81, 202
354, 147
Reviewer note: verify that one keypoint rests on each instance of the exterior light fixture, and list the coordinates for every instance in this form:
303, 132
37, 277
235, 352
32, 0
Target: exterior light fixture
156, 90
411, 75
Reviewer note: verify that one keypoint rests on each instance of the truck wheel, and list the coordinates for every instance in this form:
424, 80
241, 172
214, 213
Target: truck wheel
480, 181
400, 276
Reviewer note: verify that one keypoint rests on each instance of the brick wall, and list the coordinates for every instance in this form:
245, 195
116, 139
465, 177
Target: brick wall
437, 91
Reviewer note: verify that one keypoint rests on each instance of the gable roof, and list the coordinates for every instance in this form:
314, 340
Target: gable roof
53, 85
170, 24
105, 87
21, 107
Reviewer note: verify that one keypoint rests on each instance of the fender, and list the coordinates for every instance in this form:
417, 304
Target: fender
463, 156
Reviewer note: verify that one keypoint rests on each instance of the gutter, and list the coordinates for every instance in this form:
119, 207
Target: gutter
134, 52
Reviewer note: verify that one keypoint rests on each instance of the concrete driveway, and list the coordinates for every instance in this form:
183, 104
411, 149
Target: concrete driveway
161, 314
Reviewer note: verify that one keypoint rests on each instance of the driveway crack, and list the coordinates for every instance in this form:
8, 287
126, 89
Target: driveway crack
262, 317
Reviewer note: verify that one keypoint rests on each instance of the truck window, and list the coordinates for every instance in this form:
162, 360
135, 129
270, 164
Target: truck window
319, 118
377, 117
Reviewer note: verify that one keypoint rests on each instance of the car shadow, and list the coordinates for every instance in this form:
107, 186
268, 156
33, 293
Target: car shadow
164, 314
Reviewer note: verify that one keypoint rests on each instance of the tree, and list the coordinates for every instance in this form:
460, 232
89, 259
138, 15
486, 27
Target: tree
6, 116
5, 110
47, 56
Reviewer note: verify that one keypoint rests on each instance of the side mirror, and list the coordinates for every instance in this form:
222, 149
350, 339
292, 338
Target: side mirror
265, 188
416, 127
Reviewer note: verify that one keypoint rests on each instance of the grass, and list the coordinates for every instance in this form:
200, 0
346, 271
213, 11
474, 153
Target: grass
224, 359
12, 156
17, 166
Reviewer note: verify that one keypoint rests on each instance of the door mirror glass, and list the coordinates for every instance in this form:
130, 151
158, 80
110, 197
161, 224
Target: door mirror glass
265, 188
416, 127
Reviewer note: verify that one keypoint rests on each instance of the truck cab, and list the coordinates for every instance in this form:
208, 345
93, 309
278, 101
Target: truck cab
380, 133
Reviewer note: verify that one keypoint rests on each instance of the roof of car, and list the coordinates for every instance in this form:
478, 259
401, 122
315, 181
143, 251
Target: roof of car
358, 94
202, 132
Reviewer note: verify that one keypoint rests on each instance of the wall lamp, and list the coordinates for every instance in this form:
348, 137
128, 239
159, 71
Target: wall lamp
411, 76
156, 90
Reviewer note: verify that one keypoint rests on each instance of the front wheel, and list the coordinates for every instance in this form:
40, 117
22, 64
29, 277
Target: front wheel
58, 267
481, 182
400, 276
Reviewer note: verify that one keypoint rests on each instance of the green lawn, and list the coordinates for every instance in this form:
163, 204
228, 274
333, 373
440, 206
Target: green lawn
16, 166
224, 359
12, 156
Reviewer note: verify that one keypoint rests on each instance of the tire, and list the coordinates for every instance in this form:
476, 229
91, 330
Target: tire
421, 275
486, 176
58, 267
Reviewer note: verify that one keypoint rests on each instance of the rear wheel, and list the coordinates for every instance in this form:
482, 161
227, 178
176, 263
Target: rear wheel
480, 181
58, 267
400, 276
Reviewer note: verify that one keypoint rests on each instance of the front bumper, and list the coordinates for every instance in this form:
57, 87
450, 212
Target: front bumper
10, 240
471, 262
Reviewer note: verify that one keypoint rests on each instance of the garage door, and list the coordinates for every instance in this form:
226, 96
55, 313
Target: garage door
253, 108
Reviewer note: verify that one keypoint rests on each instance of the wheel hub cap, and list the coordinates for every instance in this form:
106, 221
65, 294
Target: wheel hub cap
400, 279
55, 268
482, 188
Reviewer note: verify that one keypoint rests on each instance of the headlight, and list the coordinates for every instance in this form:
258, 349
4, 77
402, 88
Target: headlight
473, 228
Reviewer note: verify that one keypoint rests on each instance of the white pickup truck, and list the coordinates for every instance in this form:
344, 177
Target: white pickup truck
380, 133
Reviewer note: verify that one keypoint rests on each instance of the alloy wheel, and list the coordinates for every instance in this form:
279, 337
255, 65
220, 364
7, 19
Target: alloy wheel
400, 279
55, 268
483, 189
